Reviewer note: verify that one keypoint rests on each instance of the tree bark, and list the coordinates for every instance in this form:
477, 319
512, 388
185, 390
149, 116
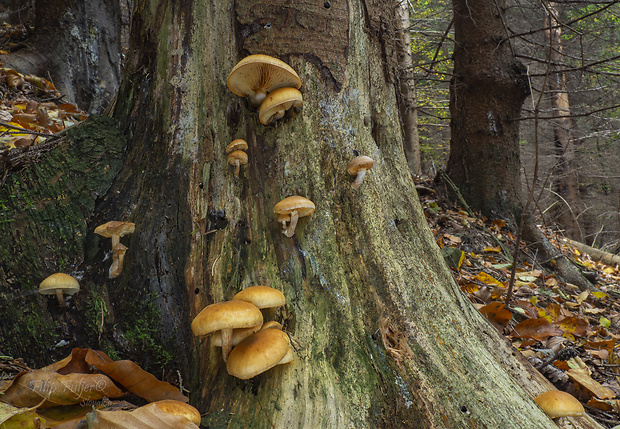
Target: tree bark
487, 91
77, 45
565, 178
383, 337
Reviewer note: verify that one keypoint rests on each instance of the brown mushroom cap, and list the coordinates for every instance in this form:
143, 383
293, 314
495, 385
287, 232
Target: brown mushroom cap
115, 229
179, 408
303, 206
557, 403
358, 163
256, 75
272, 324
59, 284
277, 103
226, 315
258, 353
238, 155
238, 144
261, 296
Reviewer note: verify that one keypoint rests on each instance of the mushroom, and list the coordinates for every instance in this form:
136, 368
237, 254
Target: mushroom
557, 403
59, 284
258, 353
359, 165
264, 297
237, 144
118, 254
115, 229
224, 317
256, 75
237, 158
283, 219
178, 408
236, 337
295, 207
272, 324
277, 103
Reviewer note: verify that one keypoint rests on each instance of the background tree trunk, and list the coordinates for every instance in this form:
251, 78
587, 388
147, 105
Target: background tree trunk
487, 91
565, 180
383, 336
75, 44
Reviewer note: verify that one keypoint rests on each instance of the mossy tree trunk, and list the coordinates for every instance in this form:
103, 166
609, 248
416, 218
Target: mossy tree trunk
382, 335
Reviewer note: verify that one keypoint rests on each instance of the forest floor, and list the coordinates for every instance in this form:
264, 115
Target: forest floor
571, 336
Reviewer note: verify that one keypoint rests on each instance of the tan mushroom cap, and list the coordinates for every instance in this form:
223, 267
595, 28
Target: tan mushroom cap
237, 158
238, 144
272, 324
358, 163
178, 408
59, 284
557, 403
277, 103
226, 315
261, 296
288, 357
258, 353
256, 75
115, 229
303, 206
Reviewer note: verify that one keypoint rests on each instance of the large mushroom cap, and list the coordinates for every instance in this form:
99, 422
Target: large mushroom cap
238, 144
360, 163
261, 296
59, 281
303, 206
256, 75
258, 353
226, 315
179, 408
277, 103
557, 403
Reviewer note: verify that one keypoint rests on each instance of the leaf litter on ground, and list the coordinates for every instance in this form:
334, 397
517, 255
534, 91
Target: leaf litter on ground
547, 317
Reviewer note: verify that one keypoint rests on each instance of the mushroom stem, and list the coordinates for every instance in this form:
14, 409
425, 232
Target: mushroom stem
359, 179
226, 343
61, 299
290, 231
115, 240
117, 264
258, 98
237, 167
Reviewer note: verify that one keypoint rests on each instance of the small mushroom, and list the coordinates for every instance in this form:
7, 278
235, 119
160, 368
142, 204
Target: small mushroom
178, 408
277, 103
224, 317
59, 284
118, 254
258, 353
115, 229
295, 207
256, 75
359, 166
237, 144
557, 404
237, 158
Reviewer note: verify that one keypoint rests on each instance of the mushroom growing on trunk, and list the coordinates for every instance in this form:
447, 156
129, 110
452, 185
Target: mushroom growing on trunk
295, 207
359, 166
59, 284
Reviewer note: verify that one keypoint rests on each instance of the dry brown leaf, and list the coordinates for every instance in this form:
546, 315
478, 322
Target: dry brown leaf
43, 388
582, 377
146, 417
497, 313
538, 329
575, 325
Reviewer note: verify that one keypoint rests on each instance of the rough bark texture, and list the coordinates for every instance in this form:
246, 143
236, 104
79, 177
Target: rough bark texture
382, 335
487, 91
77, 45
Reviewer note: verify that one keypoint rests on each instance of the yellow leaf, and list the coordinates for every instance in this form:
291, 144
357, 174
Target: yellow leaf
485, 278
604, 322
493, 249
609, 270
600, 295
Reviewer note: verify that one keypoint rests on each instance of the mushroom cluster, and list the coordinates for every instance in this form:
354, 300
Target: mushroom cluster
267, 82
116, 229
236, 154
239, 323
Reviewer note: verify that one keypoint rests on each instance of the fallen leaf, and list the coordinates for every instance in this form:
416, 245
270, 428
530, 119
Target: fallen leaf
147, 417
486, 278
497, 313
575, 325
538, 329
